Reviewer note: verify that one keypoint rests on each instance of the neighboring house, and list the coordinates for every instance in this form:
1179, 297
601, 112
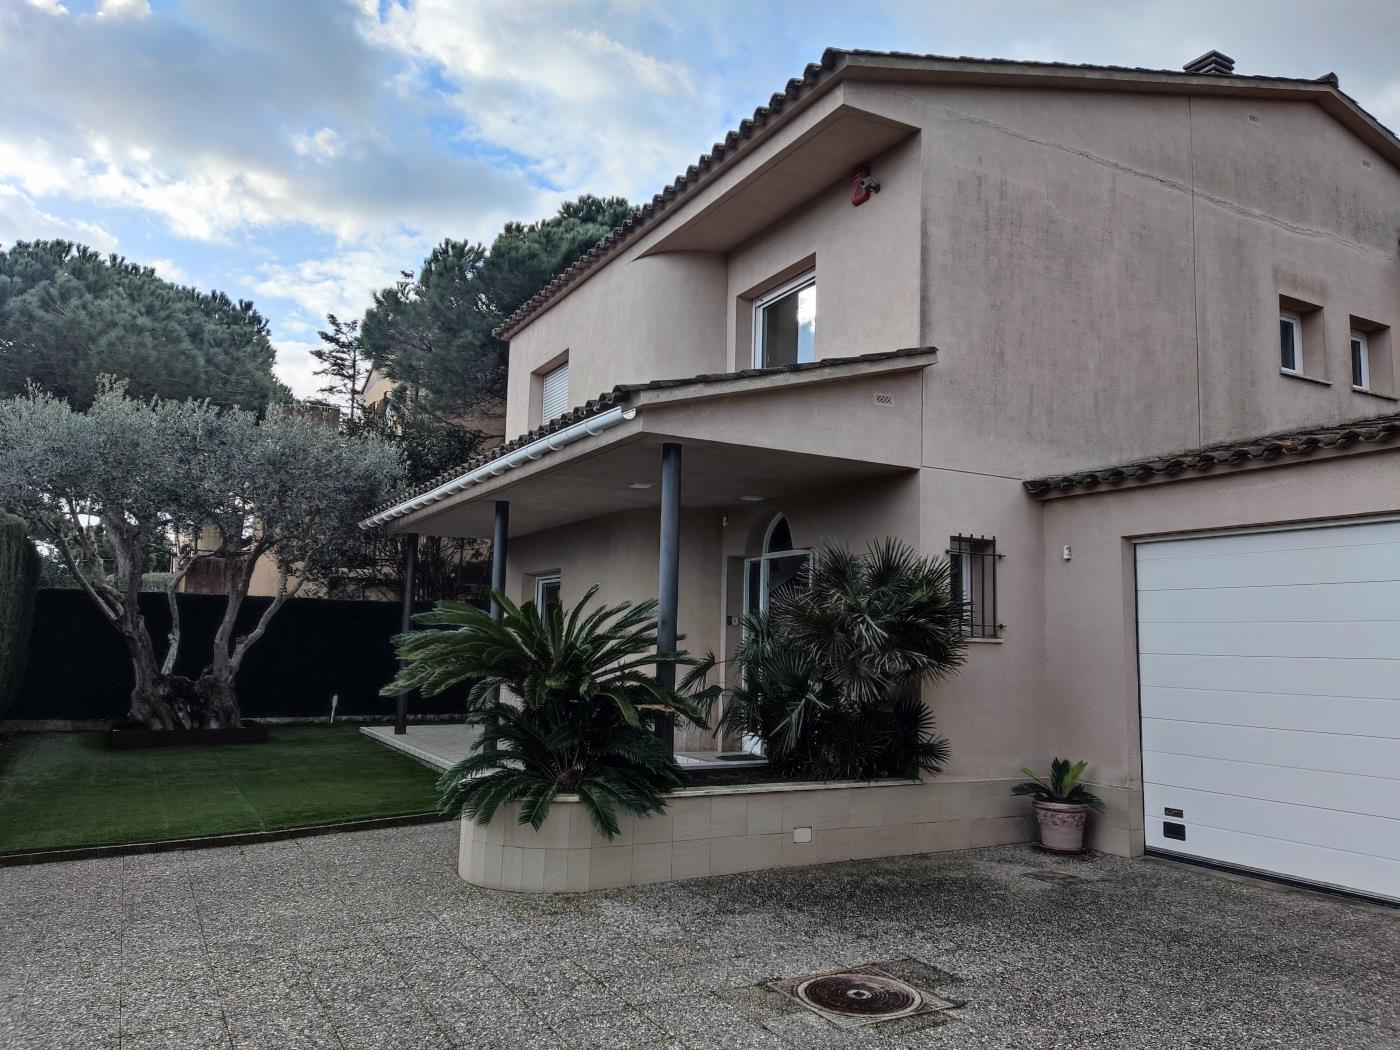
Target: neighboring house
378, 394
380, 402
1130, 276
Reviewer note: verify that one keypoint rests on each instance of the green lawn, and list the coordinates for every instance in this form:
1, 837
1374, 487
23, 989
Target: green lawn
61, 790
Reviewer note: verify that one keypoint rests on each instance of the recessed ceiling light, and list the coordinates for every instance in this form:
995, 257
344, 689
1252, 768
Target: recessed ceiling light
639, 484
750, 499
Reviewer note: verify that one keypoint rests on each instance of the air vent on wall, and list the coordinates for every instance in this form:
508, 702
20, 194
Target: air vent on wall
884, 400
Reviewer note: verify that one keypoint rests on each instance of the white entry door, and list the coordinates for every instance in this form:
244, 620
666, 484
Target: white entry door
1270, 682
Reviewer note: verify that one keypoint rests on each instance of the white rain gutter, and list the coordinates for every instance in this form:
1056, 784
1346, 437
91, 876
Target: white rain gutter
495, 468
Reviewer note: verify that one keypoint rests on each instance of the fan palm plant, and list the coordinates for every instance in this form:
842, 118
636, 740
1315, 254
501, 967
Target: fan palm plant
1062, 786
829, 676
586, 695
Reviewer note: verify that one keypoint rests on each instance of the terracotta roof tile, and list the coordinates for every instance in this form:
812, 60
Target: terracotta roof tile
1271, 446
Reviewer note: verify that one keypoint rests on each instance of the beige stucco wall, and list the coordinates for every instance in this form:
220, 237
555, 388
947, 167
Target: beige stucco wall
1089, 697
642, 318
866, 259
1100, 269
1103, 272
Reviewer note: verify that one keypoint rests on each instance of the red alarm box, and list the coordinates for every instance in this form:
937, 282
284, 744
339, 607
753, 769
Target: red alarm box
860, 185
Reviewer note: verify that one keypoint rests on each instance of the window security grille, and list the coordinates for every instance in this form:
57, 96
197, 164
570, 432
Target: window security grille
974, 564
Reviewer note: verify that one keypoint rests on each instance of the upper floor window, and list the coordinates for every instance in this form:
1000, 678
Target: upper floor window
1360, 361
554, 392
785, 323
1290, 342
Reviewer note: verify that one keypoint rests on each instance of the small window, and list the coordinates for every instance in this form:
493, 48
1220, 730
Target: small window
974, 564
785, 323
1360, 361
1290, 343
554, 392
546, 590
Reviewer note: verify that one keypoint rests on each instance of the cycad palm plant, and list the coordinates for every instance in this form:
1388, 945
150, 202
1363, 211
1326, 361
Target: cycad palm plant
585, 693
830, 675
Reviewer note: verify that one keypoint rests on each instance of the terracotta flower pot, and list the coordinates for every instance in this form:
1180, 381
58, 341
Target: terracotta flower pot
1061, 826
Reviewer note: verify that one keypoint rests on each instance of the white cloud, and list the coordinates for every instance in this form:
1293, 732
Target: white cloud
324, 144
49, 7
586, 110
296, 367
340, 282
169, 269
23, 220
203, 146
124, 9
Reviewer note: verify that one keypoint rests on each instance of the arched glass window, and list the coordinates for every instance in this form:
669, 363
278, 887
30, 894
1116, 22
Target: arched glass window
780, 566
779, 536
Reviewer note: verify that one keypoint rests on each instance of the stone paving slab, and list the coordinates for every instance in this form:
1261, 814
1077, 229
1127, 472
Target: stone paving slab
370, 940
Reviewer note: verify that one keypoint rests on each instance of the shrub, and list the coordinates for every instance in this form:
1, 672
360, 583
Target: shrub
829, 677
1062, 786
19, 580
585, 710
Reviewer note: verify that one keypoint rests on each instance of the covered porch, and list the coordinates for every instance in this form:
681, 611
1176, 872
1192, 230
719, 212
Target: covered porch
675, 489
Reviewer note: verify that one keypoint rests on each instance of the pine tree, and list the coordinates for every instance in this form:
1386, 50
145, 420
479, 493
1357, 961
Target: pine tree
69, 314
344, 365
433, 331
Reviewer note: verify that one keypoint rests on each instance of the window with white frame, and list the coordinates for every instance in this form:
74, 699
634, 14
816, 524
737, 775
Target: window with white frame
785, 323
546, 590
554, 392
780, 567
1360, 361
1290, 342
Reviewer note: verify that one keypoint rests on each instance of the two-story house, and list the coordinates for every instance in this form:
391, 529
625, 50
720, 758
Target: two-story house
1117, 340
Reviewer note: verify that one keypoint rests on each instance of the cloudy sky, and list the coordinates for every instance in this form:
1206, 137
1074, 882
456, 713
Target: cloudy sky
301, 152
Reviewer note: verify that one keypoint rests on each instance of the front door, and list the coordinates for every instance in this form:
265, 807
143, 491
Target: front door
777, 569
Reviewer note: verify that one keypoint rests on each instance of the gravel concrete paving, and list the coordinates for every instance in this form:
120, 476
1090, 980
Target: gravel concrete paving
370, 940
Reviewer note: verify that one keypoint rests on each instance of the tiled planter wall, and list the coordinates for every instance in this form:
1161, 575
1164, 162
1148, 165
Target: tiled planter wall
720, 831
1119, 828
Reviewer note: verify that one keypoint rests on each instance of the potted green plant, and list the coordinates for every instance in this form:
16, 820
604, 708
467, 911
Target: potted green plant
1062, 805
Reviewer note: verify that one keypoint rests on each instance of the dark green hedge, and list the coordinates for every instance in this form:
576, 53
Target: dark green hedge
19, 581
78, 667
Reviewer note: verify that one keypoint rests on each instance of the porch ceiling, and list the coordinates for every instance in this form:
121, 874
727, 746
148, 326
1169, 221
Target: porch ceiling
714, 474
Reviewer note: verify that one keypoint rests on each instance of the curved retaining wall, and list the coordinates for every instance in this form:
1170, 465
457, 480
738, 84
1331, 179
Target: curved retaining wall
720, 831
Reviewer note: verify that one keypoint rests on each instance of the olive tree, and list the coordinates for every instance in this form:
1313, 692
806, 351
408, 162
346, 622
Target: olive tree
104, 486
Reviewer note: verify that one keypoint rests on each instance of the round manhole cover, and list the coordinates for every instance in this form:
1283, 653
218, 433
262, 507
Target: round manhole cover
860, 995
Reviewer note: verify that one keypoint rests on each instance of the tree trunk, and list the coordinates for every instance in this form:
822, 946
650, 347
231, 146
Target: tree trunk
219, 700
160, 700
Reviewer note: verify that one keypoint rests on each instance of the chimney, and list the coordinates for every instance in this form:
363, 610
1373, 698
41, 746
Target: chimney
1212, 63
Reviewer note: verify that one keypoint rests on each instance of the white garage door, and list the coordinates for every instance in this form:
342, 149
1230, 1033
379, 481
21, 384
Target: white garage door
1270, 676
